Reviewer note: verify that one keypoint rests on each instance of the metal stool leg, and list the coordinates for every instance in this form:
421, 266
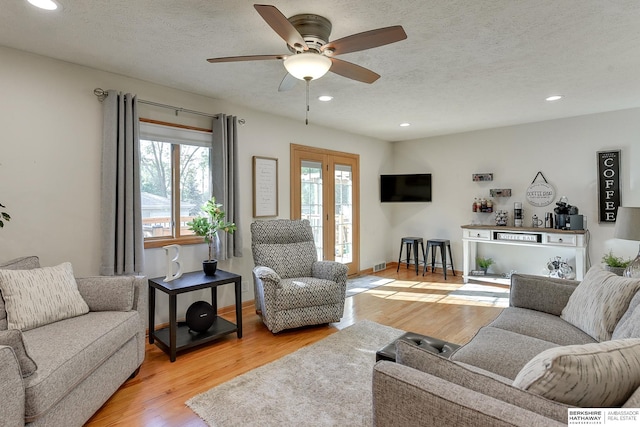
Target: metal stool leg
399, 257
443, 255
453, 270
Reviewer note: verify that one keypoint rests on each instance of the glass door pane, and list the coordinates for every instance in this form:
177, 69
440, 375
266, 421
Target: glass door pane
343, 213
311, 200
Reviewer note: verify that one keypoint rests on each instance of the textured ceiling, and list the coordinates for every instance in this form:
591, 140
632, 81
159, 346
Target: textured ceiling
465, 65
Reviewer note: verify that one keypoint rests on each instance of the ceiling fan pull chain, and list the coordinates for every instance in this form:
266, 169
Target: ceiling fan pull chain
306, 118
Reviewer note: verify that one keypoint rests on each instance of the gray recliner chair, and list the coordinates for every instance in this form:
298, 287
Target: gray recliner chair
292, 288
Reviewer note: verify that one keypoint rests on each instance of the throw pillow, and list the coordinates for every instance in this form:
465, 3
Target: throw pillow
13, 338
629, 324
40, 296
594, 375
23, 263
599, 302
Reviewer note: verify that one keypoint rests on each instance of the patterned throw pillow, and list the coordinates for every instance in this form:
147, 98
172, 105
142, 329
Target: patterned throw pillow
594, 375
599, 302
40, 296
23, 263
13, 338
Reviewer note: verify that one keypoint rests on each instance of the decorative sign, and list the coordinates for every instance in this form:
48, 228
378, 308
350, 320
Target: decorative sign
540, 193
608, 185
170, 261
265, 187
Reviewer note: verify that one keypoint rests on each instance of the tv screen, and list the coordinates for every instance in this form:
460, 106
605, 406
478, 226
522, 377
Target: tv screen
405, 188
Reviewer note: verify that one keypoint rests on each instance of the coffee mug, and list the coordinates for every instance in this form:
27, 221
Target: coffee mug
535, 222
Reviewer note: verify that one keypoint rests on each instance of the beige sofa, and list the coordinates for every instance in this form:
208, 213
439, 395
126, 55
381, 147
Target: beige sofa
527, 367
81, 361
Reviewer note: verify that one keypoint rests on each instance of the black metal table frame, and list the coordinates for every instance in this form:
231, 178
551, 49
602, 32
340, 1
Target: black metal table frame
190, 282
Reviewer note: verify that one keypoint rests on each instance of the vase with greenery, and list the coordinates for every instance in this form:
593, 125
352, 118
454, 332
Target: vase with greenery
484, 263
208, 226
615, 264
4, 217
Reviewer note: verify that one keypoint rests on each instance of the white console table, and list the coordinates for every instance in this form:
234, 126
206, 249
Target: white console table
472, 235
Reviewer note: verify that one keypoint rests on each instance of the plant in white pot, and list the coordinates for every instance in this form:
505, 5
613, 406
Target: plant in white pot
208, 227
615, 264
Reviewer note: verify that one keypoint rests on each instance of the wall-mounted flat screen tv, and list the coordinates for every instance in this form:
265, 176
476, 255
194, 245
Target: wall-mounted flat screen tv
405, 188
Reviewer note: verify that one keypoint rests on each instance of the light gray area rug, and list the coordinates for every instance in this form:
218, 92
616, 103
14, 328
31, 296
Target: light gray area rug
324, 384
364, 283
494, 295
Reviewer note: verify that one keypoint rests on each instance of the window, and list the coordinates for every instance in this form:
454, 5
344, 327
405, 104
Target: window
175, 175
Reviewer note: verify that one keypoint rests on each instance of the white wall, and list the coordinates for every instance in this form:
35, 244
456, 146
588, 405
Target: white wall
564, 150
51, 126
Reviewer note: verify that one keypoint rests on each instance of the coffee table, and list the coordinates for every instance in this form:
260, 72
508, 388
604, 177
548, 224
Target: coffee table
176, 337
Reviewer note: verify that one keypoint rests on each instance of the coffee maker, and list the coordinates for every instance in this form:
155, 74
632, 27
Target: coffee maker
567, 217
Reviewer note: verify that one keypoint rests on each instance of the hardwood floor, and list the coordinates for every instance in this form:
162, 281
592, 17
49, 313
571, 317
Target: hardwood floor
157, 395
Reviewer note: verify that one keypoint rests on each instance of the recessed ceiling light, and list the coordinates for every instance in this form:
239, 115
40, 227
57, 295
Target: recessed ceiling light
404, 125
325, 98
44, 4
554, 97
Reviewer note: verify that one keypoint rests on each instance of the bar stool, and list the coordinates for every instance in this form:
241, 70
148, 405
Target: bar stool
433, 244
411, 242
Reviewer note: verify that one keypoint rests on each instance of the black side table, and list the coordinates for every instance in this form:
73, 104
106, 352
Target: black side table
178, 337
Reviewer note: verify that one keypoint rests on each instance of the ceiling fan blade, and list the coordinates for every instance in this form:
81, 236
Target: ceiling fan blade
287, 83
353, 71
246, 58
366, 40
281, 25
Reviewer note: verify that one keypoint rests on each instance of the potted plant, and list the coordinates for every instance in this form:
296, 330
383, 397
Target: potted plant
614, 264
207, 227
484, 263
4, 216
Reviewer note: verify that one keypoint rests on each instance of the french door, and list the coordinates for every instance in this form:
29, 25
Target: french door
325, 190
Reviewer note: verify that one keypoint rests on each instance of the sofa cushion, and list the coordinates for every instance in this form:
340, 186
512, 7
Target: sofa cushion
68, 351
599, 302
116, 295
492, 349
306, 292
629, 324
540, 325
478, 380
591, 375
23, 263
40, 296
13, 339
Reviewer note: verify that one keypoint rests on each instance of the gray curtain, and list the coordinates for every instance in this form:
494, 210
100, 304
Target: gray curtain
121, 214
224, 155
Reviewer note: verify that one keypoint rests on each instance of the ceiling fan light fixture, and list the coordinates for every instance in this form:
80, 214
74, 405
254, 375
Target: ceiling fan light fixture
307, 65
44, 4
553, 98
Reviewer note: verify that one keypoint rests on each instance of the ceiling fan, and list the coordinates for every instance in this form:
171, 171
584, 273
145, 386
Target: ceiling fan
312, 54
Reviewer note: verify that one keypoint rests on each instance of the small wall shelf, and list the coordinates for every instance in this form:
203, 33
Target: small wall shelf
500, 192
482, 177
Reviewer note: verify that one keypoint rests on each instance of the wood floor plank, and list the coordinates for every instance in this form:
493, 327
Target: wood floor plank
157, 396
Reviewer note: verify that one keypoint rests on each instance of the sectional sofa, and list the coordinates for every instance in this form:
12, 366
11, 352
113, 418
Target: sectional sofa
560, 344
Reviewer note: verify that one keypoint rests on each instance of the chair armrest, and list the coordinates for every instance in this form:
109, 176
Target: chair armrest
546, 294
330, 270
267, 276
407, 397
11, 389
112, 293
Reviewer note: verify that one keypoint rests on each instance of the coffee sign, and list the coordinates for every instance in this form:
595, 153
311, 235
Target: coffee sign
608, 185
540, 193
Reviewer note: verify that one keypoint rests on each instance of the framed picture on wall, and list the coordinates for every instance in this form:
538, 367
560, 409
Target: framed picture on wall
265, 187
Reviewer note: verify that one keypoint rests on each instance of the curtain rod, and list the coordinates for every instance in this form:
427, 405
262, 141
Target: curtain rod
102, 94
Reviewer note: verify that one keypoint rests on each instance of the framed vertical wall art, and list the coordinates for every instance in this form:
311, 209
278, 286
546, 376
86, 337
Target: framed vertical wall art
265, 187
608, 185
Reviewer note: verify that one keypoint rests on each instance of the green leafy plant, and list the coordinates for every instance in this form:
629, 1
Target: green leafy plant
4, 216
208, 226
615, 261
484, 263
